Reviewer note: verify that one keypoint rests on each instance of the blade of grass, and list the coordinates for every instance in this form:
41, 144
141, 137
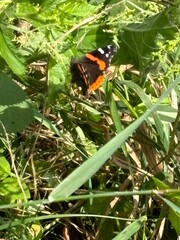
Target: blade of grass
27, 220
131, 229
159, 125
169, 203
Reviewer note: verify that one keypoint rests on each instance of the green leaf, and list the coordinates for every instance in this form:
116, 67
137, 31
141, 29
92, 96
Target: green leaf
10, 56
16, 111
131, 229
30, 12
91, 113
79, 8
160, 184
11, 92
170, 204
10, 189
4, 168
36, 231
174, 217
166, 113
88, 145
139, 39
144, 97
57, 80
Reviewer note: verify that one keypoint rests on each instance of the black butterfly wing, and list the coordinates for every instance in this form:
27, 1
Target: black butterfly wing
85, 73
88, 71
104, 54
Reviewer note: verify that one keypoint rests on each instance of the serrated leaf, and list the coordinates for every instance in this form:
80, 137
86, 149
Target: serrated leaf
30, 12
80, 8
57, 79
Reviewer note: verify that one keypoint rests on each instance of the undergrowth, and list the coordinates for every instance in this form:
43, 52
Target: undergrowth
102, 166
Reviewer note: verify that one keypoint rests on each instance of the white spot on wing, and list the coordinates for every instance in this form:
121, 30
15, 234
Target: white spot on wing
101, 50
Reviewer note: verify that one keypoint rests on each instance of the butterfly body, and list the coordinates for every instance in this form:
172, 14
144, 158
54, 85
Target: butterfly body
88, 71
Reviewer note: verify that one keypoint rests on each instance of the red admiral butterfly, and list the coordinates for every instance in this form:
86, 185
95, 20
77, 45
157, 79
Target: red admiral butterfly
88, 71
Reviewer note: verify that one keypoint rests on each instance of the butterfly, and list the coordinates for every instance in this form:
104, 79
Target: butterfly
88, 71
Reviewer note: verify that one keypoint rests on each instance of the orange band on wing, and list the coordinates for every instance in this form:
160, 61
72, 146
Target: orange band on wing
101, 63
96, 84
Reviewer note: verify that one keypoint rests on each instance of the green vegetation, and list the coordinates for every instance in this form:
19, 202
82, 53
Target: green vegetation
104, 166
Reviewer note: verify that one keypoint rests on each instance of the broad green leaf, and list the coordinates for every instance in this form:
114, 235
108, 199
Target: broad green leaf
15, 118
10, 189
16, 111
11, 92
10, 57
139, 39
4, 168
